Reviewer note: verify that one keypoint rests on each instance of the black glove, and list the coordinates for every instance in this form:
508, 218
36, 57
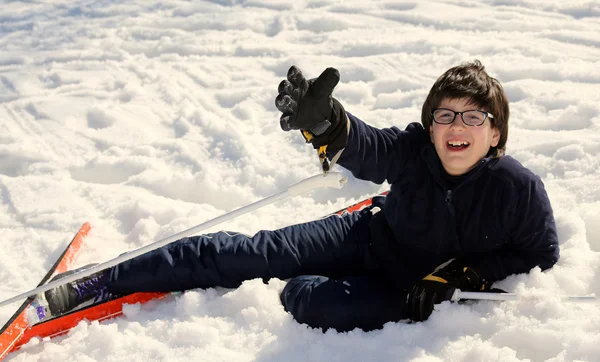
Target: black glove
440, 286
307, 105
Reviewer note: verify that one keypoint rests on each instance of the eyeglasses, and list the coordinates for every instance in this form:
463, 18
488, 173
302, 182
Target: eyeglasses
470, 118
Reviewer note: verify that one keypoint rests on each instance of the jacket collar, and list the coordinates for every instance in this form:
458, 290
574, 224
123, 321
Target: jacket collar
434, 164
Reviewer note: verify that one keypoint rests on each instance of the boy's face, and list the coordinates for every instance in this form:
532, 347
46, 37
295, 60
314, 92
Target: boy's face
479, 139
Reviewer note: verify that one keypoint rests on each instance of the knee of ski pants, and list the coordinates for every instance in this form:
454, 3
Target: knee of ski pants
365, 302
297, 299
319, 302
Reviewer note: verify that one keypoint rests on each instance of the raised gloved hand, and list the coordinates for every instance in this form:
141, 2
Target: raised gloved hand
307, 105
440, 286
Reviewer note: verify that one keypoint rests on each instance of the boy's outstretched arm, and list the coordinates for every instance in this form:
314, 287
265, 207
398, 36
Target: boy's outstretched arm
369, 153
384, 154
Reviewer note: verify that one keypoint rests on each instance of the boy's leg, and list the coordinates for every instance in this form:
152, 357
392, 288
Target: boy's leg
333, 246
365, 302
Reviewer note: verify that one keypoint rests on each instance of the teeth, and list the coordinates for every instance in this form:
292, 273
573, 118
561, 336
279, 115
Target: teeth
458, 143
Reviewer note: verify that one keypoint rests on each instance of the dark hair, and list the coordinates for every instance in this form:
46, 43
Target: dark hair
470, 80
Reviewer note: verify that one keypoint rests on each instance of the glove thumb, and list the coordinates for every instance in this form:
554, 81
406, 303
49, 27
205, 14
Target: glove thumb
324, 85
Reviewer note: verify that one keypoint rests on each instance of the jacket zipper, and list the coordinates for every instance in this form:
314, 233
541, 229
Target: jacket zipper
448, 200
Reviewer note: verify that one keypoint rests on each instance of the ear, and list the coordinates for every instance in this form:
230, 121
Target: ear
495, 137
431, 133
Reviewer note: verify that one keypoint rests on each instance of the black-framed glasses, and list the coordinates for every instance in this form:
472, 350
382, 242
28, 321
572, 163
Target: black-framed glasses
470, 118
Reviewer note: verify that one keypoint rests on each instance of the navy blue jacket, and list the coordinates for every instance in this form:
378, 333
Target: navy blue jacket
498, 219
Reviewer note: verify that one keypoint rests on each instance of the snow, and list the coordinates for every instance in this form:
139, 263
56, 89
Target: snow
148, 117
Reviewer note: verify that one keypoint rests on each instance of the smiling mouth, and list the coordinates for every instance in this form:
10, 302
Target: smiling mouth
457, 145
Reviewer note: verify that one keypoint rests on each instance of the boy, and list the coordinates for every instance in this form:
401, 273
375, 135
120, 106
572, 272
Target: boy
455, 202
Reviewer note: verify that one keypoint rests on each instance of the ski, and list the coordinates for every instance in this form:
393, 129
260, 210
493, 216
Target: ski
61, 324
359, 205
15, 328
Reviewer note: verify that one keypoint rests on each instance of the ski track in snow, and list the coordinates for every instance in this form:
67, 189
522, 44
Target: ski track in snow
148, 117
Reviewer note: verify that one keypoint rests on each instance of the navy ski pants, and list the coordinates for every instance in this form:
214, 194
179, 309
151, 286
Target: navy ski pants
335, 281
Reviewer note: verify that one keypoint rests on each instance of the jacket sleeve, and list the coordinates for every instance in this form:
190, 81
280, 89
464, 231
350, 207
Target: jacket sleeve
533, 238
378, 155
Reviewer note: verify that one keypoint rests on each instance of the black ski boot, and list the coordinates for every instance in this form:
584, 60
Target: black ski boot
69, 296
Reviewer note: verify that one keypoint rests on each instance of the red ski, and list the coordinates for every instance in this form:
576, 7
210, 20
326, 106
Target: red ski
17, 325
98, 312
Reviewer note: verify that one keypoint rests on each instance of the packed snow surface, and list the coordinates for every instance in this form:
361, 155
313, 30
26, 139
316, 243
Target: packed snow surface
148, 117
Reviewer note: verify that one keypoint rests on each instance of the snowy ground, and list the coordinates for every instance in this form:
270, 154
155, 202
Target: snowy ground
148, 117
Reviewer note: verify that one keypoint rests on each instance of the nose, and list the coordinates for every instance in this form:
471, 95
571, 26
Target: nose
458, 123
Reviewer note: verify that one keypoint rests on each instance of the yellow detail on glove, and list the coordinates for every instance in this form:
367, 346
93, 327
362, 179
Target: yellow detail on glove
307, 135
323, 159
322, 152
433, 278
